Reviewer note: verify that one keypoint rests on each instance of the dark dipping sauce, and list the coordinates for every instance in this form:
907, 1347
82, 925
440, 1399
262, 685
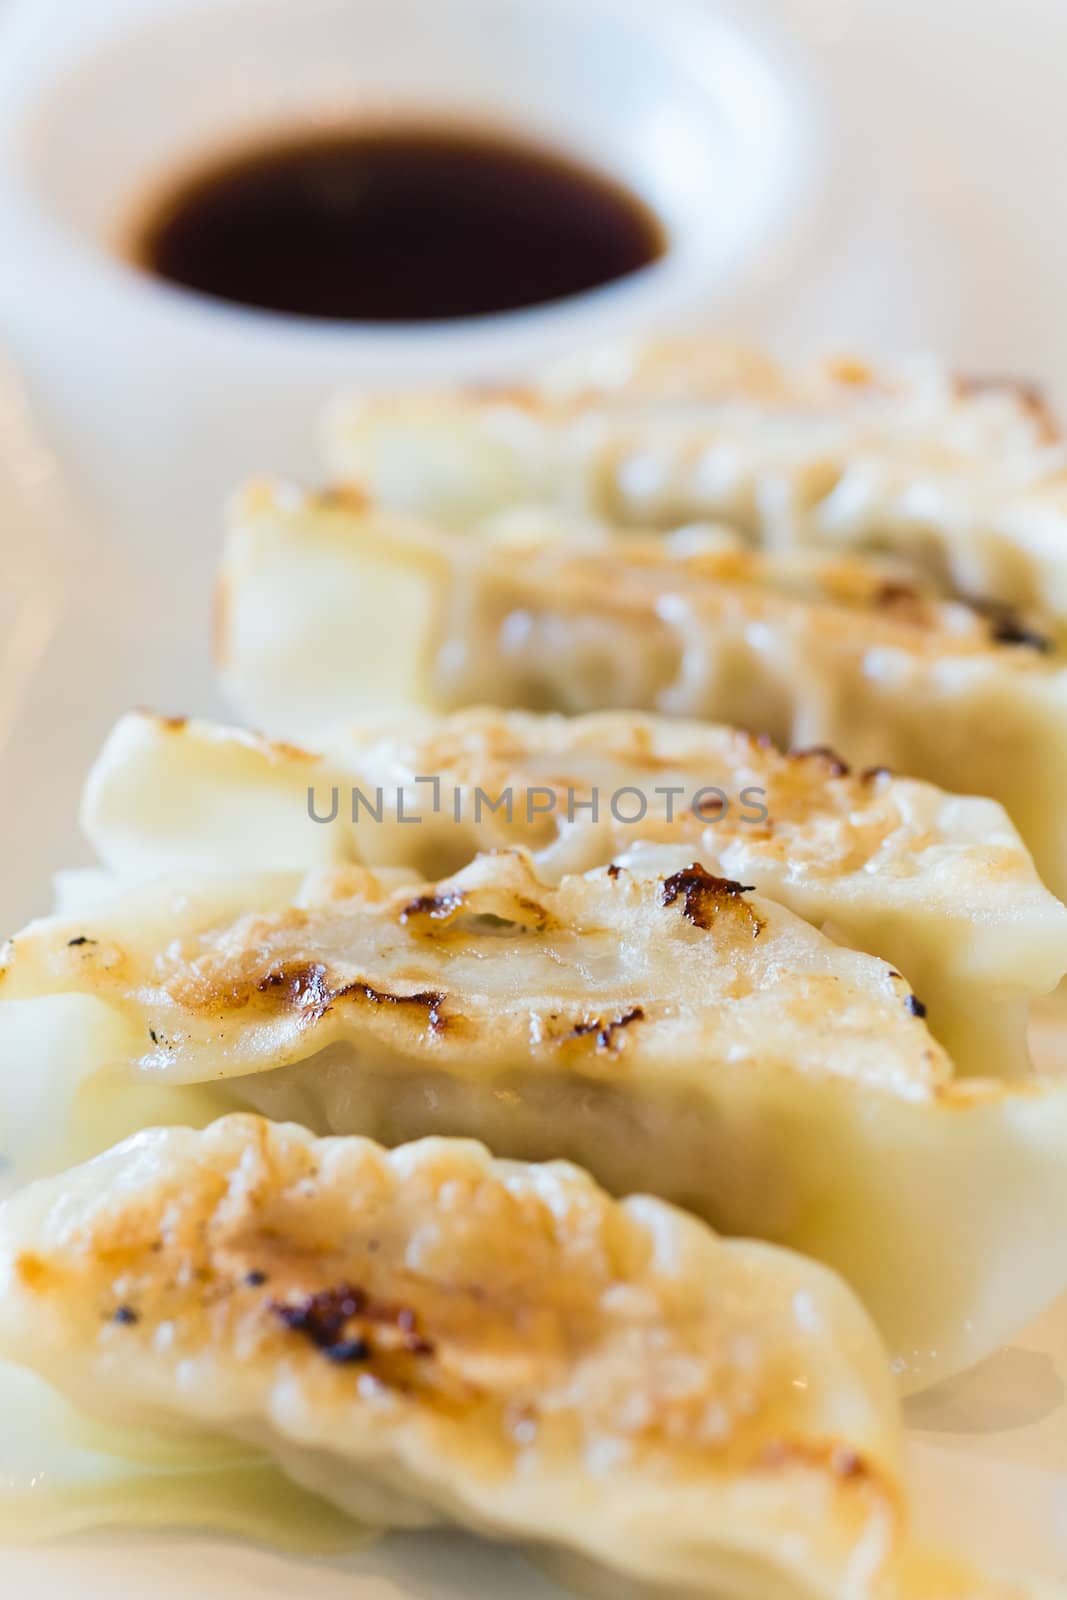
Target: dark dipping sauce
396, 225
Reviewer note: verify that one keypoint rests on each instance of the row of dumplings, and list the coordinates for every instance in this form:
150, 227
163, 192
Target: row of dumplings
785, 994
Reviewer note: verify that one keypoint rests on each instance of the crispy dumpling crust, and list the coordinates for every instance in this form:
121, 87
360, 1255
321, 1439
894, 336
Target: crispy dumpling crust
665, 1028
328, 611
675, 969
428, 1335
938, 885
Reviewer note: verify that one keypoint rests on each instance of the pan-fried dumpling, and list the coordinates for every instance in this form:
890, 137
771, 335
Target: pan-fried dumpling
968, 481
663, 1027
429, 1336
938, 885
327, 610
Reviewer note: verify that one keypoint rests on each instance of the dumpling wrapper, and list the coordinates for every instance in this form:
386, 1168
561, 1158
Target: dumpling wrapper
329, 609
968, 481
60, 1474
429, 1336
658, 1025
939, 885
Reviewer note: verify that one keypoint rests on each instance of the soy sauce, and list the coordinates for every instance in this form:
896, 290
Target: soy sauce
396, 225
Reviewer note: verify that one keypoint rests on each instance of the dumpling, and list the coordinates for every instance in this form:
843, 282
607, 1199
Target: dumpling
660, 1025
430, 1336
329, 609
938, 885
966, 480
433, 1337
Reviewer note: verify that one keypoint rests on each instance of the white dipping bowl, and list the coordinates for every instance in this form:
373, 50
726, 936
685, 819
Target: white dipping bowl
690, 103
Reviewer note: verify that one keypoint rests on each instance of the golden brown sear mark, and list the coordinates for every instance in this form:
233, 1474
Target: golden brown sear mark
442, 910
604, 1031
711, 809
304, 988
894, 595
835, 764
33, 1272
276, 749
704, 897
438, 907
308, 990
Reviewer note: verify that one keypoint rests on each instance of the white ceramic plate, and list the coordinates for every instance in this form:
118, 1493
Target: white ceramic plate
115, 446
78, 643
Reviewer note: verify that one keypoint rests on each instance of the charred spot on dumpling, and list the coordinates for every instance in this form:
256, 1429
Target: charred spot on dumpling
711, 808
307, 989
604, 1032
704, 897
322, 1317
1008, 627
529, 913
613, 869
757, 739
428, 1000
437, 907
826, 754
348, 1325
347, 1351
81, 939
893, 594
125, 1316
1010, 630
846, 1463
475, 912
915, 1006
304, 987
